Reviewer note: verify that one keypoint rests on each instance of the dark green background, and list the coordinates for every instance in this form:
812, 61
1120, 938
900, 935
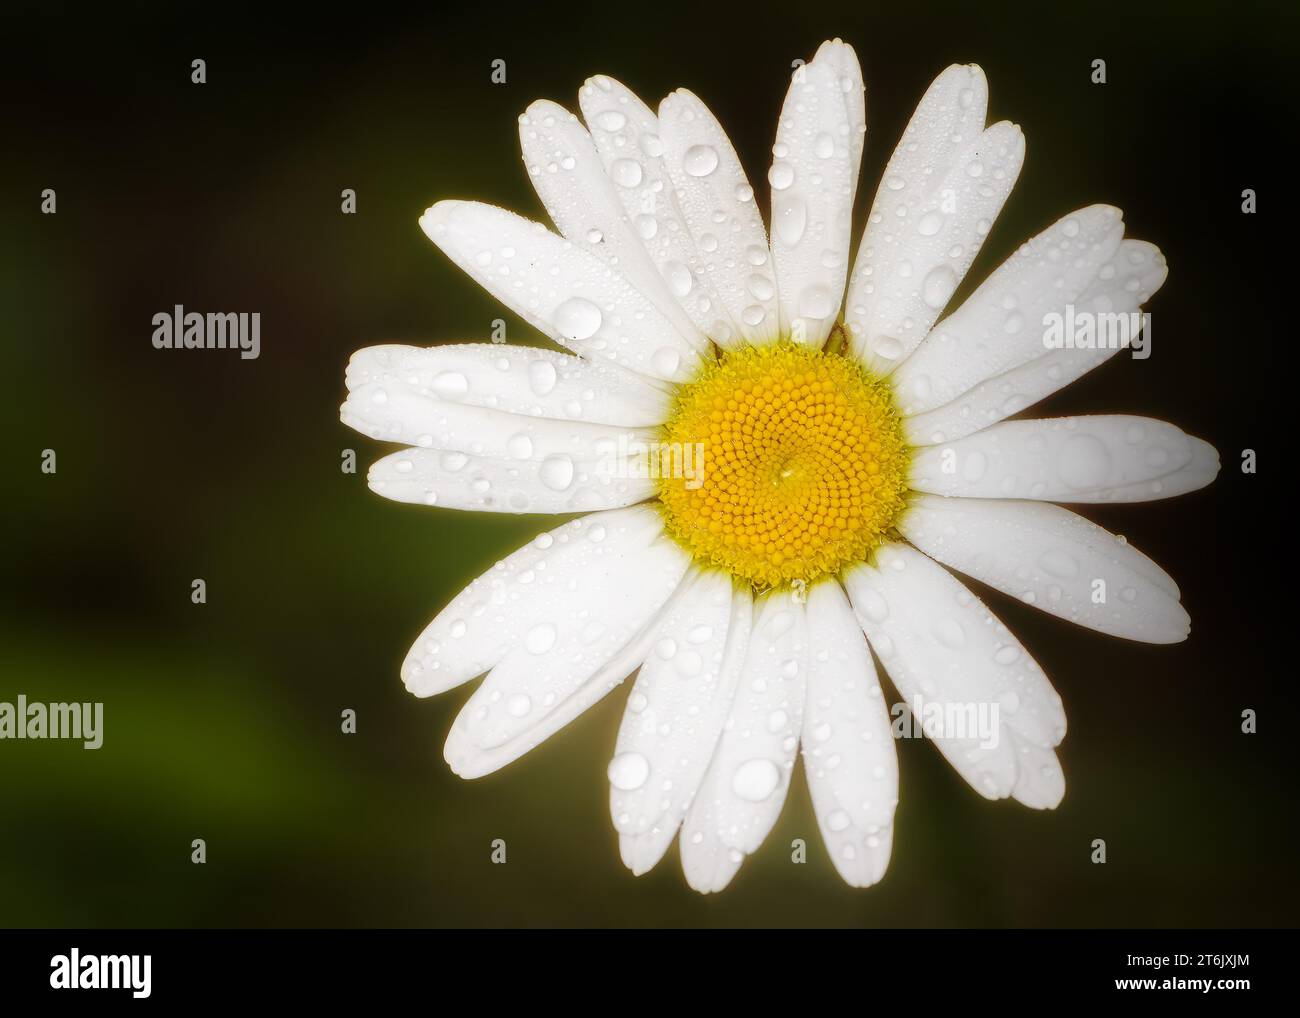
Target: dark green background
223, 720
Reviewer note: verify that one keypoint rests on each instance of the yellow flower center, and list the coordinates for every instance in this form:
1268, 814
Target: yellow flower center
801, 464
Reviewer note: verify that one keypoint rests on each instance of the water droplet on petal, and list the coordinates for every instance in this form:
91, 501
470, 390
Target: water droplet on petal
755, 780
610, 120
790, 219
541, 377
625, 172
557, 472
577, 319
780, 176
520, 446
629, 771
938, 286
451, 385
540, 638
700, 160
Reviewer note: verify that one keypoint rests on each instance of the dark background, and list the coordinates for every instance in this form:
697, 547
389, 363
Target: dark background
222, 720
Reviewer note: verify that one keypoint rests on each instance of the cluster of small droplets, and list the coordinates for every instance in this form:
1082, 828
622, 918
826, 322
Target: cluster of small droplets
804, 464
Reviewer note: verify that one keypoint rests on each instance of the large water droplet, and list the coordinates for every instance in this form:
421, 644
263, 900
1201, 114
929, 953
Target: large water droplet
451, 385
557, 472
577, 318
541, 377
755, 779
540, 638
629, 771
930, 224
790, 219
780, 176
519, 705
700, 160
678, 277
1059, 563
625, 172
666, 361
520, 446
938, 286
951, 633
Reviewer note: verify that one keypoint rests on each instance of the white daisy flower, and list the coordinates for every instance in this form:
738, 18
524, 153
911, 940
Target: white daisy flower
777, 458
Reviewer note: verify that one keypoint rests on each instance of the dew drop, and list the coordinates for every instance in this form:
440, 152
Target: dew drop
930, 224
541, 377
610, 120
666, 361
540, 638
678, 277
629, 771
700, 160
790, 219
577, 319
625, 172
780, 176
761, 287
557, 472
520, 446
938, 286
451, 385
755, 780
519, 705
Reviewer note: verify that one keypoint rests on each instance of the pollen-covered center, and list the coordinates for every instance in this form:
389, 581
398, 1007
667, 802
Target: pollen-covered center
797, 464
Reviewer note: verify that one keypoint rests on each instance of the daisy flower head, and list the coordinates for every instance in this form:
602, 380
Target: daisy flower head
781, 456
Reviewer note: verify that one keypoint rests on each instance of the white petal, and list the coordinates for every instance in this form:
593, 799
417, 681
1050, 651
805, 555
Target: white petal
813, 176
470, 760
570, 178
515, 379
1052, 559
675, 714
943, 187
626, 133
1123, 283
1001, 325
848, 744
583, 608
396, 411
717, 203
845, 61
1110, 458
746, 783
562, 289
1200, 470
958, 668
1040, 782
606, 476
495, 612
